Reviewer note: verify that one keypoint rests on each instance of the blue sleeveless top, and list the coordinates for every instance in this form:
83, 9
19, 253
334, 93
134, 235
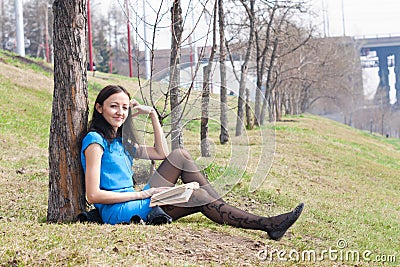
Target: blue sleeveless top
115, 175
116, 172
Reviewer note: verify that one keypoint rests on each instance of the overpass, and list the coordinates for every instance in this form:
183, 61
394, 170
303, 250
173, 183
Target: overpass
374, 42
383, 47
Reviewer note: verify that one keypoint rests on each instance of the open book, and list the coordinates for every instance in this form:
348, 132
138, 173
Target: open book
174, 195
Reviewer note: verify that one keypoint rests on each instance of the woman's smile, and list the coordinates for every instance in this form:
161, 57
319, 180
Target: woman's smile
115, 109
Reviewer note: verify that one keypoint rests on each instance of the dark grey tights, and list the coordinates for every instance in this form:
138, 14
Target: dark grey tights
206, 200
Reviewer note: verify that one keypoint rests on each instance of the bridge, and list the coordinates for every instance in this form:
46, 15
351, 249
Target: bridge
382, 52
374, 42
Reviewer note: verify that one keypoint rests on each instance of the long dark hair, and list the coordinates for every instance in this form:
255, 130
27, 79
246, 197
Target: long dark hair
100, 125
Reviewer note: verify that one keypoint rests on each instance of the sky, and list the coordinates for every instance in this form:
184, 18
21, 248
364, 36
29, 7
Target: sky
361, 17
333, 17
358, 18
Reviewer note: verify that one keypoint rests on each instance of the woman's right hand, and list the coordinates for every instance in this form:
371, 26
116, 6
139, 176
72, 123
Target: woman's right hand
154, 190
141, 109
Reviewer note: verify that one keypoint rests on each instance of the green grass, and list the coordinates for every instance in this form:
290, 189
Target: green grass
348, 180
27, 63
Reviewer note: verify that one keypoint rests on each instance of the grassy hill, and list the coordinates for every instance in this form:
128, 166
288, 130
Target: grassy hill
349, 181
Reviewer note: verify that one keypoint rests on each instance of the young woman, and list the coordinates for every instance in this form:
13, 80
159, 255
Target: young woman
108, 173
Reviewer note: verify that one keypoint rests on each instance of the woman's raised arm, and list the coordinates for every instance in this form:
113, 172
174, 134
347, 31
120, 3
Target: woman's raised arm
160, 149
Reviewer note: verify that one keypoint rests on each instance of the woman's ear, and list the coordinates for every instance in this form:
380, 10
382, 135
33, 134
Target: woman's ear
99, 108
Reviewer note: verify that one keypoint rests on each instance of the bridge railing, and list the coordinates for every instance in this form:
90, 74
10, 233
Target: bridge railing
377, 36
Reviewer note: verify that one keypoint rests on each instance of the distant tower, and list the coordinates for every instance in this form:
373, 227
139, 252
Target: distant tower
19, 22
325, 18
343, 20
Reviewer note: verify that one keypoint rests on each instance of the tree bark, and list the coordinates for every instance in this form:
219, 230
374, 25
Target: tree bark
262, 54
205, 100
177, 29
270, 90
249, 117
69, 111
224, 134
205, 97
2, 23
244, 70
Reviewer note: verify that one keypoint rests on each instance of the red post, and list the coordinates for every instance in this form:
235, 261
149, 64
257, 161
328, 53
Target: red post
47, 48
90, 37
129, 39
46, 23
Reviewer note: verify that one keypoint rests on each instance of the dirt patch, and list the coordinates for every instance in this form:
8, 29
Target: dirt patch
42, 65
28, 61
202, 247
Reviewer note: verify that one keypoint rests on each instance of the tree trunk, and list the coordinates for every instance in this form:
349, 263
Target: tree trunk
205, 97
271, 114
257, 101
249, 121
2, 23
305, 97
224, 135
270, 90
262, 54
244, 70
279, 106
177, 29
69, 111
205, 100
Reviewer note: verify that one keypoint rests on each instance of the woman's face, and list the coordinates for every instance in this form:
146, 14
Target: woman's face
115, 109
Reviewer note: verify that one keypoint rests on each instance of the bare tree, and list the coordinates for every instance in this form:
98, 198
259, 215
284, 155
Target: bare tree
177, 30
281, 43
7, 24
336, 75
293, 78
249, 114
36, 27
263, 30
205, 97
270, 96
2, 23
69, 111
224, 134
117, 35
244, 69
173, 103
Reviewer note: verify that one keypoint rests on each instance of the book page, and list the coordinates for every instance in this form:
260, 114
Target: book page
176, 194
